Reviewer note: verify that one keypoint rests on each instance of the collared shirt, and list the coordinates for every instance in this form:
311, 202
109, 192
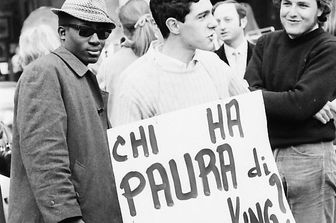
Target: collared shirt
237, 58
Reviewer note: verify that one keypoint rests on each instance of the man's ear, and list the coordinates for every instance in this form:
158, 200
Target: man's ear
173, 25
61, 33
320, 11
243, 22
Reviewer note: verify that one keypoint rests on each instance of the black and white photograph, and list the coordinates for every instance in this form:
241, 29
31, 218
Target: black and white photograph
167, 111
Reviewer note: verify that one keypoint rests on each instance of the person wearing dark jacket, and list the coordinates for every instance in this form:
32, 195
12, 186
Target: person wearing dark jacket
295, 69
236, 51
61, 168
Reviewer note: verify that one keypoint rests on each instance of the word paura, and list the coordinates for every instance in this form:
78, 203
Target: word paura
223, 170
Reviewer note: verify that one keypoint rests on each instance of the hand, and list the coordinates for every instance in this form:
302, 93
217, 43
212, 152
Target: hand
327, 112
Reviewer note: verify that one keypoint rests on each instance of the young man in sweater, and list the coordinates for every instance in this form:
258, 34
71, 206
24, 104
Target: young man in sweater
177, 73
295, 68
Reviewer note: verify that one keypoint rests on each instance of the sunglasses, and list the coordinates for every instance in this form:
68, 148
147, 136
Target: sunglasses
86, 31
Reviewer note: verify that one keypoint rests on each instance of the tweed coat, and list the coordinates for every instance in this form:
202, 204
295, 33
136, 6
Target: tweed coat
61, 165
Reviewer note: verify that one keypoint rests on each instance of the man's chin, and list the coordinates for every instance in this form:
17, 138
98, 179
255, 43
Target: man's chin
209, 47
93, 59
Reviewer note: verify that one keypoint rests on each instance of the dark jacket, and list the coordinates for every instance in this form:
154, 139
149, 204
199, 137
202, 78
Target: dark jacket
221, 53
61, 166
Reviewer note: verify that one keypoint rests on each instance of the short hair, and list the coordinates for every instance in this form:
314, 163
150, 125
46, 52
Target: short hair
141, 35
164, 9
325, 5
241, 10
37, 41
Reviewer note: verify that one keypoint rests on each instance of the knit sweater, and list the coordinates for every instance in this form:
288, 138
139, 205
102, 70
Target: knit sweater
298, 77
110, 71
156, 84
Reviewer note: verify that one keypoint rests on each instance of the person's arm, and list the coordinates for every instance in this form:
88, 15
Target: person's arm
5, 161
312, 91
5, 149
129, 104
42, 126
253, 74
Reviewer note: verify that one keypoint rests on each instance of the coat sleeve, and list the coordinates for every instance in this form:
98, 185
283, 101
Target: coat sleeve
42, 127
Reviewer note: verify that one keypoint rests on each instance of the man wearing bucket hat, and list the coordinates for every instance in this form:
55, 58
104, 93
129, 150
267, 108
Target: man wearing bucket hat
61, 170
295, 69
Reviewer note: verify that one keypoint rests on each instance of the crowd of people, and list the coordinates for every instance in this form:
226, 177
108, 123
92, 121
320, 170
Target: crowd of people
173, 54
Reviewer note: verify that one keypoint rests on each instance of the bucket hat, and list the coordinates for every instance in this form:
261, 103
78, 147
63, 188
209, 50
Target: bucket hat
87, 10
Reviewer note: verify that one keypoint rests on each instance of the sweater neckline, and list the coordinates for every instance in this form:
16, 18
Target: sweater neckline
305, 37
171, 64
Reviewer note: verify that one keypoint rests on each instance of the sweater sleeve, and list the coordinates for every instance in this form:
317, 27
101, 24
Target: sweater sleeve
133, 98
42, 125
253, 73
313, 89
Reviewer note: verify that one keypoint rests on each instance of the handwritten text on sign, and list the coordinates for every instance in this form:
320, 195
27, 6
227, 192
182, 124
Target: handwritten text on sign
210, 163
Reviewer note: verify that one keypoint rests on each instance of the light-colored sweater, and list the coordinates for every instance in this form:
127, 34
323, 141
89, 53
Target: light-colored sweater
157, 84
110, 71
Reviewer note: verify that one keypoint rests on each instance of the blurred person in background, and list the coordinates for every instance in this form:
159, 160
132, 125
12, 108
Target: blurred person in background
37, 41
5, 159
139, 30
236, 51
251, 21
295, 69
61, 169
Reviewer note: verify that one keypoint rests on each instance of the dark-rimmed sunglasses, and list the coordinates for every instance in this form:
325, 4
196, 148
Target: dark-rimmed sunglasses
86, 31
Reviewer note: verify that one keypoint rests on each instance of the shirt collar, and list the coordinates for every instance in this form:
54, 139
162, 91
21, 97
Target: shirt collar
72, 61
240, 49
170, 62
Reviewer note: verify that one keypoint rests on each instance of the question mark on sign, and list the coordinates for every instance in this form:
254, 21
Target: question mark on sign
274, 180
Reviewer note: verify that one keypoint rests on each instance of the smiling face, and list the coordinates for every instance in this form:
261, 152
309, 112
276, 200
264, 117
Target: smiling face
86, 49
230, 26
299, 16
198, 29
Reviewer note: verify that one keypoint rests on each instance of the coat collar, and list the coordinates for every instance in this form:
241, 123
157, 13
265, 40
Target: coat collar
72, 61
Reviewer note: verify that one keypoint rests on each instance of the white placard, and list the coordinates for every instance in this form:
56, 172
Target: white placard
210, 163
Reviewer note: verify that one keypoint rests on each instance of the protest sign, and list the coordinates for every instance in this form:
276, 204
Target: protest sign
210, 163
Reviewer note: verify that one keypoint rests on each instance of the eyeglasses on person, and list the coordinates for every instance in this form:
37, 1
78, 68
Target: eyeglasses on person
86, 31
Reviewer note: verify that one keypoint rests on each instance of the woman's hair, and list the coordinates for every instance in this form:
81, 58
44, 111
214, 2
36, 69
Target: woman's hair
330, 24
138, 24
37, 41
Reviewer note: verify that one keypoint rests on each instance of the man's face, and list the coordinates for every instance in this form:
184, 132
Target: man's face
86, 48
230, 27
299, 16
198, 29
